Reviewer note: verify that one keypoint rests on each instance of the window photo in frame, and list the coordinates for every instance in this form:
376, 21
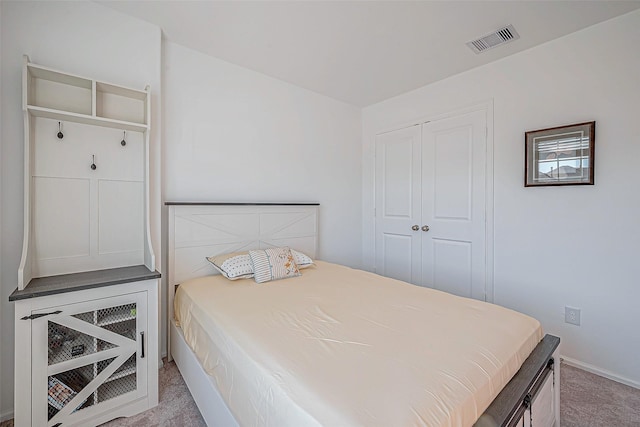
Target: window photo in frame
560, 156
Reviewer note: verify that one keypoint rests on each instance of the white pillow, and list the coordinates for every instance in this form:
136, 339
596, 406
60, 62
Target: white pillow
233, 266
302, 260
273, 264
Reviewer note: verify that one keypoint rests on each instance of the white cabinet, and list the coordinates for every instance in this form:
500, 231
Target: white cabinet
86, 306
92, 355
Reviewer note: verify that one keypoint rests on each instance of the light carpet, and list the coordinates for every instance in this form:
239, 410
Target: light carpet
589, 400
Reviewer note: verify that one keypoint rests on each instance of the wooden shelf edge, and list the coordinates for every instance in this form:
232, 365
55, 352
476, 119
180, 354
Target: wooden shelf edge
127, 92
85, 119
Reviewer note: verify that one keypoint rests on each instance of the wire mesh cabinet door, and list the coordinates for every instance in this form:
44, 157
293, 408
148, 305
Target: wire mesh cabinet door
88, 358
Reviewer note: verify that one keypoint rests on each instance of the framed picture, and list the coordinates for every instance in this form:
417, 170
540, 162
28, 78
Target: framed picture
560, 156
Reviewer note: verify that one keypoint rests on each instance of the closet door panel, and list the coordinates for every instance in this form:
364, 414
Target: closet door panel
452, 174
397, 251
398, 207
453, 204
452, 266
396, 185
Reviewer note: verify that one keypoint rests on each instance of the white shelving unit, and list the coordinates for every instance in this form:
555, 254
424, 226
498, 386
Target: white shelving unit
87, 299
72, 212
61, 96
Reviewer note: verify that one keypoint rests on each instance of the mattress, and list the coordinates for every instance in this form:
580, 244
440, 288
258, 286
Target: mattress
344, 347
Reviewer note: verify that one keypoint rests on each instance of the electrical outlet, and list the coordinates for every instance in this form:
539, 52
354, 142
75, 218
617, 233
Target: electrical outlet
572, 315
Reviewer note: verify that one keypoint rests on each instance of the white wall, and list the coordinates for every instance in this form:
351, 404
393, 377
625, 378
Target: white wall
231, 134
257, 118
555, 246
82, 38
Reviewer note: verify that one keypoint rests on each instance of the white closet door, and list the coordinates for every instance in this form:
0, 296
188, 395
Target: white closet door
453, 204
398, 204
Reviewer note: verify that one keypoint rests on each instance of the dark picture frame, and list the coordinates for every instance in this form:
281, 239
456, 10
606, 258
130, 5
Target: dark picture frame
563, 155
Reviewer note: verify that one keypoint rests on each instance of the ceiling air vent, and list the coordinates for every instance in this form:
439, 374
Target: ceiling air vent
501, 36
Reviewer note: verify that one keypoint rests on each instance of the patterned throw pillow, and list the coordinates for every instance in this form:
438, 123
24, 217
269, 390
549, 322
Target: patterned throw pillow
302, 260
233, 266
272, 264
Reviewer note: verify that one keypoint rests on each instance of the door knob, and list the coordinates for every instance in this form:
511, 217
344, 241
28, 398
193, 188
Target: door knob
425, 228
415, 227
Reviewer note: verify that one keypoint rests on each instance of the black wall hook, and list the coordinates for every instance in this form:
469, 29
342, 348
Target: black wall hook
60, 134
93, 162
124, 135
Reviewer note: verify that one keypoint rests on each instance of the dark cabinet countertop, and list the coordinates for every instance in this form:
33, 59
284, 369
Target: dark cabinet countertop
51, 285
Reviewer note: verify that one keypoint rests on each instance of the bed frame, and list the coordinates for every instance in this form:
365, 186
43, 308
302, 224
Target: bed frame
198, 230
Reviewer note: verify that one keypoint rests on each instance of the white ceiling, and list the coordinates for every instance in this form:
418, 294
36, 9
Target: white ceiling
363, 52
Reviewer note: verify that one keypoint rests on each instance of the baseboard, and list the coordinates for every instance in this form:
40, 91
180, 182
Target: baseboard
602, 372
5, 416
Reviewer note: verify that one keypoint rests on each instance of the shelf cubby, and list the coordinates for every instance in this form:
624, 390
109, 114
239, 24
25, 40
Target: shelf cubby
53, 90
120, 103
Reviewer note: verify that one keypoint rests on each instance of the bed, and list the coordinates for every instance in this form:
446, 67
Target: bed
338, 346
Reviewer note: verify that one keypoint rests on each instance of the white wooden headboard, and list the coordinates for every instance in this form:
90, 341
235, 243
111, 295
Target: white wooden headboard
202, 230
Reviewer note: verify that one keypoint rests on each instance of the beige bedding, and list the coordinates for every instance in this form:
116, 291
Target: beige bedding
343, 347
